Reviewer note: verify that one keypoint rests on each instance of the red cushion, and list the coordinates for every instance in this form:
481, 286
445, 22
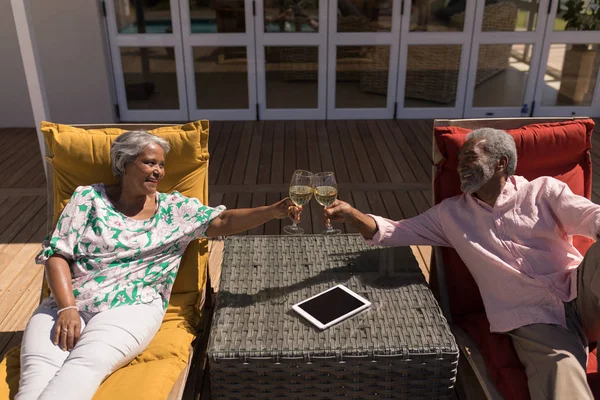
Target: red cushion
537, 146
593, 377
502, 363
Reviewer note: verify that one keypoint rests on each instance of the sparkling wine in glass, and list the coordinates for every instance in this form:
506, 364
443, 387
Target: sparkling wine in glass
301, 190
326, 193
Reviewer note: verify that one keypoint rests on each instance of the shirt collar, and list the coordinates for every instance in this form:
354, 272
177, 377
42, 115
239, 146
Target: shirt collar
512, 185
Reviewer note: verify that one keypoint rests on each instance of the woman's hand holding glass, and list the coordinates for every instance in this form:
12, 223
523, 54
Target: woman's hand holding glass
286, 208
301, 190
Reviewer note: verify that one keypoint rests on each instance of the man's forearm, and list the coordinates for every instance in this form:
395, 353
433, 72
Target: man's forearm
366, 225
59, 278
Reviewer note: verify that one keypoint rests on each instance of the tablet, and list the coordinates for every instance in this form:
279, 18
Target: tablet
331, 306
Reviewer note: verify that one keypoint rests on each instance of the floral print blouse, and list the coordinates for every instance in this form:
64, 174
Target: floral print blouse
117, 260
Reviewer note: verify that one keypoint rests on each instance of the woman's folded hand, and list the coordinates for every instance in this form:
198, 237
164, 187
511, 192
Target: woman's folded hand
67, 329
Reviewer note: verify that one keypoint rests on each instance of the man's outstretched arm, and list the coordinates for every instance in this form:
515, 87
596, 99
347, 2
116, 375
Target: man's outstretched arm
341, 211
424, 229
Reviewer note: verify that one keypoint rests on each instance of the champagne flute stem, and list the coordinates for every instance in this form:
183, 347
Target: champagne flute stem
327, 222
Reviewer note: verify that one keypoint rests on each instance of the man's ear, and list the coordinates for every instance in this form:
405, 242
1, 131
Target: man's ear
502, 164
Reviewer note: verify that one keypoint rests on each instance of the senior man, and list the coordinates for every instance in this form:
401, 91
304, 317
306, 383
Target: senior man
515, 236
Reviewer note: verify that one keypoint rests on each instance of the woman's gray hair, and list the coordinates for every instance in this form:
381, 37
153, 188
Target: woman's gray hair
128, 146
498, 143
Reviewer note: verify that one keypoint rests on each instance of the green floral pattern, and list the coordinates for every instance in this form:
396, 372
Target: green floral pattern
117, 260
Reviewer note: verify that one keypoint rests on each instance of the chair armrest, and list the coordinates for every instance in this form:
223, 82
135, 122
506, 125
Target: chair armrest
478, 374
176, 392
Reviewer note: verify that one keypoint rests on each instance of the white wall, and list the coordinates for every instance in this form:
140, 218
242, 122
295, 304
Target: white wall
71, 44
15, 108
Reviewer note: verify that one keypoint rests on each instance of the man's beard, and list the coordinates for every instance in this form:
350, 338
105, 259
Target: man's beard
479, 176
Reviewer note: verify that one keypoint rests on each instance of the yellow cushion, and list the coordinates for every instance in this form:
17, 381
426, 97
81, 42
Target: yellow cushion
82, 157
9, 374
154, 372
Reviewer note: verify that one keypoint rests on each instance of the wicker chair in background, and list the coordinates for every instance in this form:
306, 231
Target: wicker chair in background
432, 70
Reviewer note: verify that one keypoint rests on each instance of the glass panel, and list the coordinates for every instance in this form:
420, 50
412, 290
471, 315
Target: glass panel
218, 16
364, 15
513, 15
577, 15
437, 16
502, 71
361, 78
571, 74
150, 78
143, 16
221, 77
291, 15
432, 75
292, 75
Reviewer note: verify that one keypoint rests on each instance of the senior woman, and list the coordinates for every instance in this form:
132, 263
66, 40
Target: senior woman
111, 263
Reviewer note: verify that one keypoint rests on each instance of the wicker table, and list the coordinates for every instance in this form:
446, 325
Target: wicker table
259, 348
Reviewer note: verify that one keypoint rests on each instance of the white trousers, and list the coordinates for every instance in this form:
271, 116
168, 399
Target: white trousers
109, 340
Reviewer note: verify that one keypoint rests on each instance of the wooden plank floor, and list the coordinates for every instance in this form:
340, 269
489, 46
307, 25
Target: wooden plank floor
383, 167
22, 229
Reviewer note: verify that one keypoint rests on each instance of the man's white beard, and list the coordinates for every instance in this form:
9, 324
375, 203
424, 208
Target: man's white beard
480, 175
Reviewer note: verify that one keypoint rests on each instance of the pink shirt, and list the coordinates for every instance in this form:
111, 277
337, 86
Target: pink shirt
519, 252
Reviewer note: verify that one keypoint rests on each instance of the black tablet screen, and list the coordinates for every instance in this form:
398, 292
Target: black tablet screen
331, 305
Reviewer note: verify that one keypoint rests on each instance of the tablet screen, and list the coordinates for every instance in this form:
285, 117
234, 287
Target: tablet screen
331, 305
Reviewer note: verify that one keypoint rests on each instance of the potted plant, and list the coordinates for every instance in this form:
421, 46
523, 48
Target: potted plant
580, 15
581, 60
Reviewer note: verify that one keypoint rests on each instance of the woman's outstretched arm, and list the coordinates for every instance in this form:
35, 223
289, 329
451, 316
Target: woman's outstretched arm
233, 221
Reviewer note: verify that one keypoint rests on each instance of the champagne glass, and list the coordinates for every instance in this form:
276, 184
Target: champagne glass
326, 193
301, 190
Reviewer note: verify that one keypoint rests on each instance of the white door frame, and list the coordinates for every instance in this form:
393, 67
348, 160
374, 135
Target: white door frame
408, 38
362, 39
564, 37
285, 39
147, 40
191, 40
535, 38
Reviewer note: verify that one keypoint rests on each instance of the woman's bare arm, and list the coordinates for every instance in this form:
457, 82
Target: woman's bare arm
68, 324
233, 221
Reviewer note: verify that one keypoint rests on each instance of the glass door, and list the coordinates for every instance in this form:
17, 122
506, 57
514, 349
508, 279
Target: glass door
434, 53
291, 45
567, 83
507, 44
220, 66
362, 58
147, 58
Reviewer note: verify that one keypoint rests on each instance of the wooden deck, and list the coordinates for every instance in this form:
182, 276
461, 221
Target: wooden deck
382, 167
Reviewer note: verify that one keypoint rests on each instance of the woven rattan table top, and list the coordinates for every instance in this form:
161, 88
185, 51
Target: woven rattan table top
263, 276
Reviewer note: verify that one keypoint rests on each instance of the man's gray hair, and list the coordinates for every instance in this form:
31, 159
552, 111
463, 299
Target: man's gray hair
498, 143
128, 146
